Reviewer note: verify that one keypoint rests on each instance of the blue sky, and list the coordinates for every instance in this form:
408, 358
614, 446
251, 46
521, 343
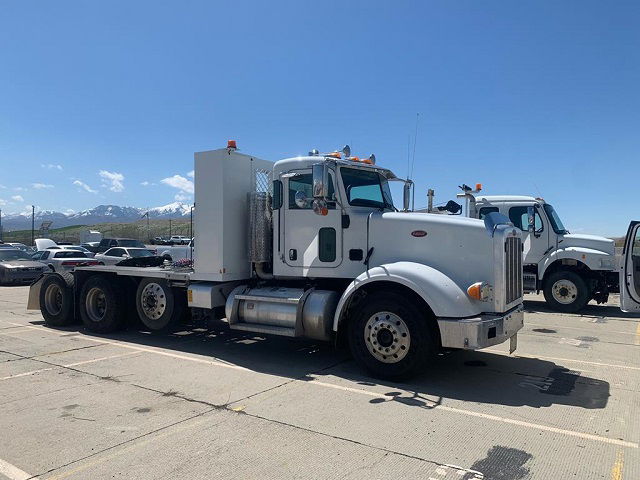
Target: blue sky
541, 98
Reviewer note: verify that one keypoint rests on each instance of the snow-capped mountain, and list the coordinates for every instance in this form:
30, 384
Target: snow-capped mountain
99, 214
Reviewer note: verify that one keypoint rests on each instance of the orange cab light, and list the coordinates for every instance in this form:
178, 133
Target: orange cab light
231, 144
367, 160
475, 291
324, 211
334, 155
478, 186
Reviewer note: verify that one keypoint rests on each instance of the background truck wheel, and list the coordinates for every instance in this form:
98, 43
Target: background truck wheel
56, 299
157, 306
566, 291
391, 338
102, 304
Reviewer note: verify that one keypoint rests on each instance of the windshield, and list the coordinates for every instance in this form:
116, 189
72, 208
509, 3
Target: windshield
366, 188
130, 243
6, 255
556, 223
140, 253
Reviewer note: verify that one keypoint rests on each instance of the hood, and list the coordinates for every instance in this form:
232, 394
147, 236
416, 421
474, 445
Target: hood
22, 264
593, 242
44, 243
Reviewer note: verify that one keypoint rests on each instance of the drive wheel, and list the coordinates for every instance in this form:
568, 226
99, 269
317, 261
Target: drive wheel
102, 305
391, 338
157, 306
56, 300
566, 291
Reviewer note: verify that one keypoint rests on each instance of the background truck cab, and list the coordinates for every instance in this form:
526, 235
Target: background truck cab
570, 269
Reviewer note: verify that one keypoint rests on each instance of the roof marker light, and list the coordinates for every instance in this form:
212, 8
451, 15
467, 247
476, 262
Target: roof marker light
231, 144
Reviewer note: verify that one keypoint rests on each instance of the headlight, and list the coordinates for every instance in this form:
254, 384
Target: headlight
481, 291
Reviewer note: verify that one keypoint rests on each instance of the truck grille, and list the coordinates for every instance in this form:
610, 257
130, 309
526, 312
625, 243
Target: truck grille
513, 269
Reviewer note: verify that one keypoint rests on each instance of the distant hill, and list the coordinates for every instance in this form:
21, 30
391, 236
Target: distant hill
99, 214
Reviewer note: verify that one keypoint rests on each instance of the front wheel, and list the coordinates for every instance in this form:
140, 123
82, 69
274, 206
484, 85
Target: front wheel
566, 291
391, 337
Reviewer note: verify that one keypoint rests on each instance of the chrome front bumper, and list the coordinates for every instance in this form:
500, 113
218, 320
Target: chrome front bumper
481, 331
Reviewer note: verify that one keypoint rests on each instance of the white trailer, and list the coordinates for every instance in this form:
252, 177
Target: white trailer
312, 247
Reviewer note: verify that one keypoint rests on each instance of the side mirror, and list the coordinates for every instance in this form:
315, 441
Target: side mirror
406, 195
320, 181
531, 217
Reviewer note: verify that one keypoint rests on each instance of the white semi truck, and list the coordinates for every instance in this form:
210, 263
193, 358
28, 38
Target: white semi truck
313, 247
570, 269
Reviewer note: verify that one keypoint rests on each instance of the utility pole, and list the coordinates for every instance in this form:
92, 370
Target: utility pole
33, 224
169, 226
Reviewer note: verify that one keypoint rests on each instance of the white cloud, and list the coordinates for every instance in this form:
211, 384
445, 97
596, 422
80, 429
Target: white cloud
191, 174
2, 187
84, 186
2, 202
51, 166
181, 183
144, 184
181, 197
20, 189
17, 198
40, 186
112, 180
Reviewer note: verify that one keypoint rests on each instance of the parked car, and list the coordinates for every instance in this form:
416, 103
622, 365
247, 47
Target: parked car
160, 240
179, 240
91, 246
107, 243
177, 252
19, 246
77, 248
61, 260
17, 266
117, 254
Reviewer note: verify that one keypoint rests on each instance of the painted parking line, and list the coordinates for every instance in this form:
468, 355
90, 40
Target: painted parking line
542, 357
14, 473
75, 364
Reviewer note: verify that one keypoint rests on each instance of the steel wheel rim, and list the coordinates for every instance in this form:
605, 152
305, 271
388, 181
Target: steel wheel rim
387, 337
153, 301
564, 291
96, 304
53, 299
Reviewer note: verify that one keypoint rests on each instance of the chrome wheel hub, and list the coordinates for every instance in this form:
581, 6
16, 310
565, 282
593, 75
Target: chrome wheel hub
387, 337
564, 291
153, 301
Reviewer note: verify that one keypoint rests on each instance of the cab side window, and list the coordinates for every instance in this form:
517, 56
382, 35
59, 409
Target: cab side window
302, 183
484, 211
520, 218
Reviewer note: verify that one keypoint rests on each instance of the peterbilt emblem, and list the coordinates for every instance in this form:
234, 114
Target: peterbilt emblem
418, 233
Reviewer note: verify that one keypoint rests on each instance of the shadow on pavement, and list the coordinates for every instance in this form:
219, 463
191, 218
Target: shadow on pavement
591, 310
473, 376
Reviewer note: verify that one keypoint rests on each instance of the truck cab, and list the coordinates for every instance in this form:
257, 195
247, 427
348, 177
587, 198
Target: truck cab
570, 269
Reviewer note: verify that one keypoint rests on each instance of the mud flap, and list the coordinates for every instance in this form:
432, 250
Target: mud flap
34, 294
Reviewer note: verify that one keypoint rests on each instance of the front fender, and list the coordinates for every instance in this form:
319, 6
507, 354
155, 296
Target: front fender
590, 257
442, 294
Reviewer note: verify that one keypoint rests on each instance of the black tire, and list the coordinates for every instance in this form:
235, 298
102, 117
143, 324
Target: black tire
561, 281
56, 300
417, 328
102, 304
158, 308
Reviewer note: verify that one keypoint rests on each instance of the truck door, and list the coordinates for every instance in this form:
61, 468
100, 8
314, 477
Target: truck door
310, 240
535, 244
630, 270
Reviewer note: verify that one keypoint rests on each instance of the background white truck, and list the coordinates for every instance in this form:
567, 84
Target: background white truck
313, 247
570, 269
